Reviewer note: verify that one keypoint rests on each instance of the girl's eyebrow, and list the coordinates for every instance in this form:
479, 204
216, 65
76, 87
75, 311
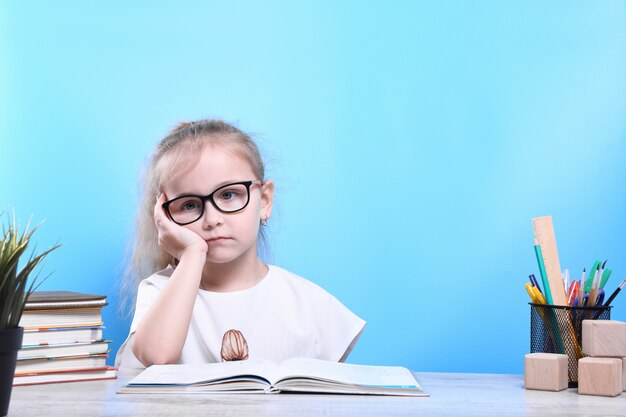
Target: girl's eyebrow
221, 184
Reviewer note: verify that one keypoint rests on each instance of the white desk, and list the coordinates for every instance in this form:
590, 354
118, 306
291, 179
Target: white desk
451, 395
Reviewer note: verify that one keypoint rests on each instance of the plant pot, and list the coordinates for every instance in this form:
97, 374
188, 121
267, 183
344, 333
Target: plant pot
10, 343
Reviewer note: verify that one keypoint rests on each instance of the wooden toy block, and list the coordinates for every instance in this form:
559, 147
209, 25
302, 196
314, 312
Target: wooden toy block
604, 338
545, 371
624, 374
600, 376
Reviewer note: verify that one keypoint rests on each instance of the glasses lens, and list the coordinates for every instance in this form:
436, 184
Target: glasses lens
231, 198
186, 209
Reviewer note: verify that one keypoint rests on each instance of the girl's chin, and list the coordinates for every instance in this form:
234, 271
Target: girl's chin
221, 257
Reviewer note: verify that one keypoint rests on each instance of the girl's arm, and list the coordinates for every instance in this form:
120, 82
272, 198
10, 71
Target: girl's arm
162, 332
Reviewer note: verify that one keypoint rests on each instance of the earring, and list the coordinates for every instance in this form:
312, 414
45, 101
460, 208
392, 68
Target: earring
264, 222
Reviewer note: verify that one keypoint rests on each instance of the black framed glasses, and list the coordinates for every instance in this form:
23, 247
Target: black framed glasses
229, 198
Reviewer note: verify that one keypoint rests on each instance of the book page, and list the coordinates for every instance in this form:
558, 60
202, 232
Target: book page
344, 373
208, 373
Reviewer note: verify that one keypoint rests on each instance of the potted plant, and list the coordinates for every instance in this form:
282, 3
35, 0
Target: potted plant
15, 287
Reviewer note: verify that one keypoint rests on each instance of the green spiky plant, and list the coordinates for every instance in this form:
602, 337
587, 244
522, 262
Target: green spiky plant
15, 285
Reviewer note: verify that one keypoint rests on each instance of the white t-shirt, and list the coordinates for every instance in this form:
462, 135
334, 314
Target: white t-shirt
281, 317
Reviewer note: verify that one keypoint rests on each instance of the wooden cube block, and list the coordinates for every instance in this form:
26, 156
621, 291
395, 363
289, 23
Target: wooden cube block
545, 371
600, 376
624, 374
604, 338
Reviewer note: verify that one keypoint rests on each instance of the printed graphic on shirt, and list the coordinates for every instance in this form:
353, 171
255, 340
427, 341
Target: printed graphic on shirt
234, 346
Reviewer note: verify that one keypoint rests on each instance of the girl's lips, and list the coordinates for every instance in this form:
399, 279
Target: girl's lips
217, 239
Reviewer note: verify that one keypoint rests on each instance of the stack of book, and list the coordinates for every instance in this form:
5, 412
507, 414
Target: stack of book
63, 339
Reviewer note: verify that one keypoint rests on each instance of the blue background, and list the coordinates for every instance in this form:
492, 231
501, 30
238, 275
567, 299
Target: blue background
411, 144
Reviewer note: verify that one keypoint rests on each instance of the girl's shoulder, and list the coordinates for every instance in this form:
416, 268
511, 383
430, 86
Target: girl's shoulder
159, 278
295, 282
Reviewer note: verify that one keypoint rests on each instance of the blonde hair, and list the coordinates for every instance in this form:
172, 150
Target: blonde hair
176, 152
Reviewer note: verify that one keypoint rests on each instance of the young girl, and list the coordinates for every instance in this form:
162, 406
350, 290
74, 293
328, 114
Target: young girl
209, 297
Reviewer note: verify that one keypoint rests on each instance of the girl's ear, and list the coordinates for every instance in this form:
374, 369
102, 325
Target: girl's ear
267, 199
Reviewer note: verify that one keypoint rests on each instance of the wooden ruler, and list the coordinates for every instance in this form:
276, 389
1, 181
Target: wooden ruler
565, 336
544, 233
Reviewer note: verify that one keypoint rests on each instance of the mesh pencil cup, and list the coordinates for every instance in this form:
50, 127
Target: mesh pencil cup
558, 329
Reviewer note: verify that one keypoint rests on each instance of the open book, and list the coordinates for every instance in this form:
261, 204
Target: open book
292, 375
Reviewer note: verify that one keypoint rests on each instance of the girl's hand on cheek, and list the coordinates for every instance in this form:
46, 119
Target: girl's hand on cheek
175, 239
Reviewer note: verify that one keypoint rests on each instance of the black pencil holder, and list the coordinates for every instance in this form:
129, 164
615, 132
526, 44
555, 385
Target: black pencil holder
558, 329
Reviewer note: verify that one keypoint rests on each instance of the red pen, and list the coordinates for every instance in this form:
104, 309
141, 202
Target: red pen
573, 291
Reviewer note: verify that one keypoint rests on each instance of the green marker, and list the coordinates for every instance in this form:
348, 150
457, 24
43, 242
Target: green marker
542, 271
605, 277
589, 279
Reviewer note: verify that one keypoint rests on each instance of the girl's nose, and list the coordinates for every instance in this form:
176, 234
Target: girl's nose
212, 217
